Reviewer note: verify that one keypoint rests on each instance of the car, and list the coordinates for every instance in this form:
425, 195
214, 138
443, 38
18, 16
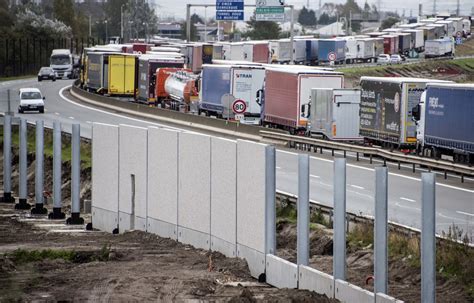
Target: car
383, 59
46, 73
395, 59
31, 99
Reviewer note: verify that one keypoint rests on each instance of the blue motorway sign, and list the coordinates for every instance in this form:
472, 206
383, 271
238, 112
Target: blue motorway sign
229, 10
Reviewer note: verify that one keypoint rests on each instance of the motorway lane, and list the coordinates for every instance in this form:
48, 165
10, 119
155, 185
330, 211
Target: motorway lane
455, 201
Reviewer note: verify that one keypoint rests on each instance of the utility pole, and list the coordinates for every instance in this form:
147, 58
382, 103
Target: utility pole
457, 9
434, 7
121, 23
106, 32
90, 26
188, 22
379, 8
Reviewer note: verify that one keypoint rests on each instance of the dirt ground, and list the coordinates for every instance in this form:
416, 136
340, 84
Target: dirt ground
134, 266
404, 280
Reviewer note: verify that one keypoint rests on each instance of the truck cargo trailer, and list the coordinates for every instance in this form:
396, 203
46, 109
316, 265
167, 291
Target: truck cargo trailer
335, 113
438, 48
390, 44
96, 76
332, 50
404, 43
256, 51
280, 51
122, 74
287, 94
237, 51
417, 39
386, 110
312, 51
446, 124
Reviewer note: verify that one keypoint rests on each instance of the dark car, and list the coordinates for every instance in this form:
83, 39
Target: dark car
46, 73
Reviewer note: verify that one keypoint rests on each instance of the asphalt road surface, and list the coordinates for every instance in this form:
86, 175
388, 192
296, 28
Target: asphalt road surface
454, 200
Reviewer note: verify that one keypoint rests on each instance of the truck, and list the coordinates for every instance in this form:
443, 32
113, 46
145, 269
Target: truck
96, 72
457, 24
237, 51
192, 56
335, 114
449, 29
439, 48
429, 32
387, 110
312, 51
236, 82
122, 74
287, 93
417, 39
61, 61
466, 27
182, 89
280, 51
404, 43
207, 52
442, 106
256, 51
147, 66
299, 51
390, 44
332, 50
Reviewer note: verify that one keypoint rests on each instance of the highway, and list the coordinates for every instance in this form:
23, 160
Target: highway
455, 200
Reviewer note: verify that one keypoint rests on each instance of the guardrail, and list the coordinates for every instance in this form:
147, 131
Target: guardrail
312, 143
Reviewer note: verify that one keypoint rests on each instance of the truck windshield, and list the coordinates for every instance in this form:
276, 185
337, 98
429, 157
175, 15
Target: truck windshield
30, 95
60, 60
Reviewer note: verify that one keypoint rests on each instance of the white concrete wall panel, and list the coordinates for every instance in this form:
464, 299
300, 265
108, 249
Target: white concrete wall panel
251, 195
383, 298
346, 292
280, 272
315, 280
162, 193
224, 196
194, 195
105, 176
133, 161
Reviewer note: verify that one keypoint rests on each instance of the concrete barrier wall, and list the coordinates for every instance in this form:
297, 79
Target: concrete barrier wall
194, 190
132, 177
162, 195
105, 180
224, 196
251, 178
346, 292
383, 298
280, 272
315, 280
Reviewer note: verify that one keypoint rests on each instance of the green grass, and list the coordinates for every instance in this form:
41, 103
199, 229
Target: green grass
22, 256
287, 212
16, 78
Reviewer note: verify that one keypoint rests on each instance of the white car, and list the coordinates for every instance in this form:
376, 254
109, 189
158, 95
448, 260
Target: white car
395, 59
31, 99
383, 59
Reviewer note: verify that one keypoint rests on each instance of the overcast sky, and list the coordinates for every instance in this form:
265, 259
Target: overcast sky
177, 8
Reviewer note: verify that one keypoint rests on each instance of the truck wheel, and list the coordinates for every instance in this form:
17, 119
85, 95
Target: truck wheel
41, 110
20, 110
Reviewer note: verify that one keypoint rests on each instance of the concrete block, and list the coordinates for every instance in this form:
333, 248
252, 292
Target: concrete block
103, 219
315, 280
251, 195
105, 172
255, 260
194, 189
224, 196
162, 181
383, 298
346, 292
280, 272
132, 177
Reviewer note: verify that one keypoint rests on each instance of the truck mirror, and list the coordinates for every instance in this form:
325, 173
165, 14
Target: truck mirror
44, 98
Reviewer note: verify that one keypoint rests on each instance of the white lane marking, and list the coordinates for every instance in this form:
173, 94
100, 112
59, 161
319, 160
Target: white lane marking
357, 186
408, 199
314, 176
72, 118
447, 217
90, 122
57, 114
409, 207
360, 194
464, 213
278, 167
61, 94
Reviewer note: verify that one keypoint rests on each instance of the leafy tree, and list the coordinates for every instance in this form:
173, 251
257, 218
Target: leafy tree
6, 19
389, 22
307, 17
324, 19
112, 10
142, 18
262, 30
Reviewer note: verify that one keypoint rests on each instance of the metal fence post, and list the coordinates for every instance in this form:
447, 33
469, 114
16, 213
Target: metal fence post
270, 192
428, 238
39, 170
7, 161
75, 176
380, 236
339, 246
303, 210
57, 163
22, 198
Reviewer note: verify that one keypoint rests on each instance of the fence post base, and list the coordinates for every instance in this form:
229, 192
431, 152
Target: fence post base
39, 210
75, 219
56, 214
7, 198
22, 204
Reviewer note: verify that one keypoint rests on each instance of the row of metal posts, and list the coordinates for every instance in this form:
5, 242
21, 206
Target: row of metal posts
428, 236
39, 208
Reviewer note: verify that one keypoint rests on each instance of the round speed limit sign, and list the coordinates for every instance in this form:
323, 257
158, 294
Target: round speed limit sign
332, 56
239, 106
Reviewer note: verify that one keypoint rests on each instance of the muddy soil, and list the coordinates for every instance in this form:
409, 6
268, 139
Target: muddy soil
138, 267
404, 279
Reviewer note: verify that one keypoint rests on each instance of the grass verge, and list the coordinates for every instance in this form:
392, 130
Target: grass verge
23, 256
2, 79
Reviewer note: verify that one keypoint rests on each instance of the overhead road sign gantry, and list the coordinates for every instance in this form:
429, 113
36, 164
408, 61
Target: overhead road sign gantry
230, 10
